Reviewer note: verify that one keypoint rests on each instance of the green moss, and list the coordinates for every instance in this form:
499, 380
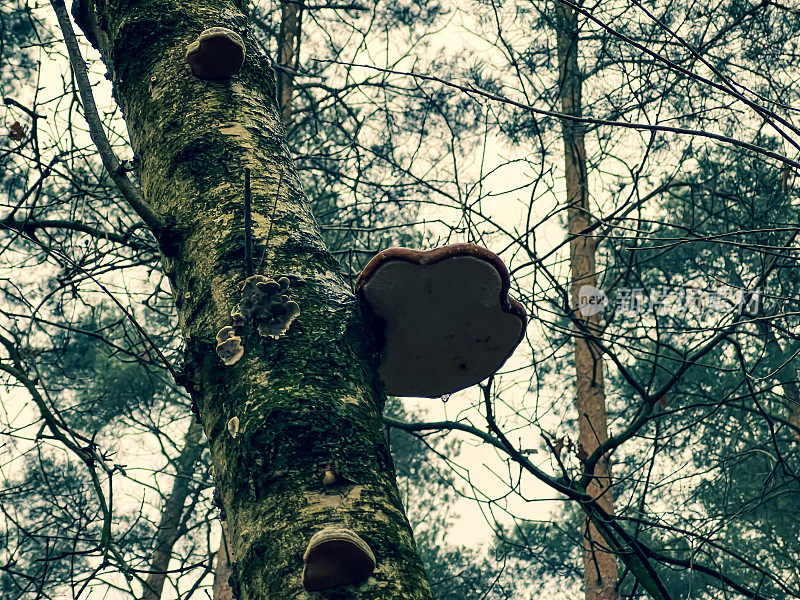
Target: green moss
139, 44
204, 160
304, 400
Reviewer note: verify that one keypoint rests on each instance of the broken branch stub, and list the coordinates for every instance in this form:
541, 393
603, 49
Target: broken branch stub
449, 320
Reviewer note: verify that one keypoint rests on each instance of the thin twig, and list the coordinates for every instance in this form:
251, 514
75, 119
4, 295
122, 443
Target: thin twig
111, 163
271, 220
471, 90
248, 226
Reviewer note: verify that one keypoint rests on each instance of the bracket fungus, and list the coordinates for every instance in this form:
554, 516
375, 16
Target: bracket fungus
233, 427
449, 320
217, 53
336, 556
268, 304
229, 346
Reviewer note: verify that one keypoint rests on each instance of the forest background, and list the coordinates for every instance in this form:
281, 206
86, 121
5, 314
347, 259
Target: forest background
646, 149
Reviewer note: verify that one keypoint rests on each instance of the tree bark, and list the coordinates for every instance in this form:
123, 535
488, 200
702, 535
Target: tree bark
303, 401
222, 568
600, 565
288, 57
787, 374
169, 530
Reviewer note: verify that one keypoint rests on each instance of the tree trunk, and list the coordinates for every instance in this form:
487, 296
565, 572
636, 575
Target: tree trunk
303, 401
288, 57
600, 565
169, 528
786, 373
222, 568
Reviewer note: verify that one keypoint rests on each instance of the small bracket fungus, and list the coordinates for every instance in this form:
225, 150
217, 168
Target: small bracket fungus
229, 345
233, 427
336, 556
217, 53
268, 304
449, 320
329, 477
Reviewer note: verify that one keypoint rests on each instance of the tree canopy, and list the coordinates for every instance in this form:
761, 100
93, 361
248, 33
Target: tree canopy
632, 163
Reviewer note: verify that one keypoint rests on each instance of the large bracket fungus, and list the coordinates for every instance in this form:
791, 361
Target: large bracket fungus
268, 304
336, 556
449, 320
217, 53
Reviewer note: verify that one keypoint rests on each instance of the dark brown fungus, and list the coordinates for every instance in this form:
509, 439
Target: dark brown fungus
217, 53
336, 556
449, 320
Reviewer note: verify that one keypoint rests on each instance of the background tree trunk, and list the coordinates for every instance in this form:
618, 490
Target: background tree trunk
786, 373
222, 568
169, 530
303, 401
288, 57
600, 565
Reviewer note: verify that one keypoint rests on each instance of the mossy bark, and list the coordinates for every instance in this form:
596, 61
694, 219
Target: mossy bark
306, 401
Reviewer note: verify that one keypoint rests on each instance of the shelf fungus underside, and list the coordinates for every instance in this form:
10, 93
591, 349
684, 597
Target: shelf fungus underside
449, 321
229, 346
216, 54
336, 556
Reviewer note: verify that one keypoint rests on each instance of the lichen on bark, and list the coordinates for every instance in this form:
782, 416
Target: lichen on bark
305, 400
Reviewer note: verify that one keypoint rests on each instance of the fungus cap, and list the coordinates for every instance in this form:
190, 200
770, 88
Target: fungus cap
267, 303
336, 556
233, 427
217, 53
229, 346
449, 320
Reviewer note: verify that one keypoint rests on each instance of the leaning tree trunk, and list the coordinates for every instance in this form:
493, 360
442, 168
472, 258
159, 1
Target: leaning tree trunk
172, 513
305, 401
285, 69
600, 565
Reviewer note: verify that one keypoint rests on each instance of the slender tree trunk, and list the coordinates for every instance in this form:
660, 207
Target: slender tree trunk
288, 57
600, 566
303, 401
786, 374
169, 530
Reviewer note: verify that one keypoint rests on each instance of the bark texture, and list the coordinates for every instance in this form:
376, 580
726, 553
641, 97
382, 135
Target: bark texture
288, 57
169, 528
222, 568
787, 375
305, 401
600, 565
